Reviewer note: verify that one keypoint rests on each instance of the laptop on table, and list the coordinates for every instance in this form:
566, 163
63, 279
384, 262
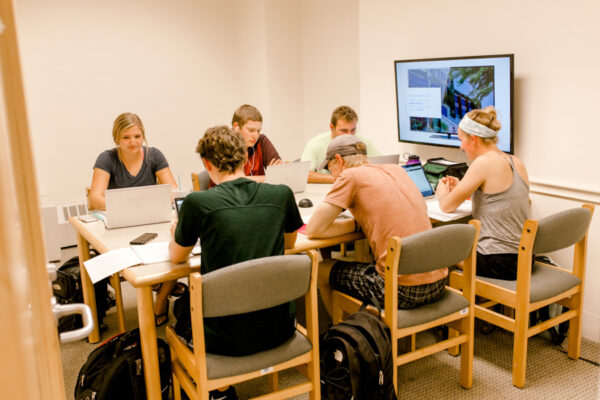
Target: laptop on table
417, 174
386, 159
294, 175
141, 205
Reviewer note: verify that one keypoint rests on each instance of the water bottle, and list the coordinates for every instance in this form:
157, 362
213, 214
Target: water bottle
413, 159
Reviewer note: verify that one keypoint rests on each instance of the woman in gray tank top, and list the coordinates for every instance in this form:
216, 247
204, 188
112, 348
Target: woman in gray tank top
499, 186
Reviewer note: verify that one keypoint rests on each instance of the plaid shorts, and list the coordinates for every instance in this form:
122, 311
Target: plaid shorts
362, 281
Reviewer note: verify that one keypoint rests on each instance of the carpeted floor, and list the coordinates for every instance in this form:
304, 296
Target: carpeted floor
550, 373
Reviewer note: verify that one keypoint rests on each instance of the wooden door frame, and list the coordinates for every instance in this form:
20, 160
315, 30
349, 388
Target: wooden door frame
32, 368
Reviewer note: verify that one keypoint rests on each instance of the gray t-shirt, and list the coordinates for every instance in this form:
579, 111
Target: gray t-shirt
109, 161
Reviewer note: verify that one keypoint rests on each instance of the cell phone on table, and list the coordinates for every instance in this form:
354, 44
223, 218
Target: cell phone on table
144, 238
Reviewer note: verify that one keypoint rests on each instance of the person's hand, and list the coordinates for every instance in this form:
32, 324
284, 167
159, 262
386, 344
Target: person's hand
173, 226
450, 181
442, 189
275, 161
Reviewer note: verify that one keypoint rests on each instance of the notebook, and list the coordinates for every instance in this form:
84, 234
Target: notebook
387, 159
141, 205
294, 175
417, 174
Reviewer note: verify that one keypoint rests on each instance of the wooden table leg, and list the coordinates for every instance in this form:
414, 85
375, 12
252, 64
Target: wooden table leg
115, 281
145, 305
89, 294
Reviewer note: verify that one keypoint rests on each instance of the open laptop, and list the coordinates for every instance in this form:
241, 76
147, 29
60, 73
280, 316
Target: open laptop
417, 174
294, 175
386, 159
141, 205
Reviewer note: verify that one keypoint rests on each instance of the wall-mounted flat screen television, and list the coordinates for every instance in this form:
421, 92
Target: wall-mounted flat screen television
432, 96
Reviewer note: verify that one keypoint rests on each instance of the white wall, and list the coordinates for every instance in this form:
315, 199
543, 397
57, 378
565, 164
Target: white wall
86, 62
556, 60
330, 62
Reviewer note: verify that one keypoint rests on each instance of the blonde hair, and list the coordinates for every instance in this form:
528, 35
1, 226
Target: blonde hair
486, 117
224, 147
124, 122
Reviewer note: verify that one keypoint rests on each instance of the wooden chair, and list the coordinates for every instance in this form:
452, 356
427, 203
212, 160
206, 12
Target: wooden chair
250, 286
115, 282
539, 285
427, 251
200, 181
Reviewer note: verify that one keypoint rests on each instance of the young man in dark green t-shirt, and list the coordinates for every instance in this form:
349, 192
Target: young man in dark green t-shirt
237, 220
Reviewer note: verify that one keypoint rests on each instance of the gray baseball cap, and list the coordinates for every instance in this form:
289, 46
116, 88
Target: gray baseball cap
344, 145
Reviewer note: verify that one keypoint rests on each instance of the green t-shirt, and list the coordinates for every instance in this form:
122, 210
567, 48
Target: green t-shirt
237, 221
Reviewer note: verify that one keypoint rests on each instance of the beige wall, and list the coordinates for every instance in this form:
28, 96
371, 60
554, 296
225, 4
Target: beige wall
556, 90
86, 62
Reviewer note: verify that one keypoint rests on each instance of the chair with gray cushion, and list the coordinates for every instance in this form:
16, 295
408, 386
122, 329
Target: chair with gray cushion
200, 181
250, 286
540, 284
426, 251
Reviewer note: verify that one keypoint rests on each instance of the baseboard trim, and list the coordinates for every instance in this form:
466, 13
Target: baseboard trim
590, 328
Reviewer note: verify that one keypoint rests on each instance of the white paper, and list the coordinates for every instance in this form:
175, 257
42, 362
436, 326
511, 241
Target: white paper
110, 262
433, 209
152, 252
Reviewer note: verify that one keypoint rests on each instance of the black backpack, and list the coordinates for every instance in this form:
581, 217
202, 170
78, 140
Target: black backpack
115, 371
356, 359
67, 290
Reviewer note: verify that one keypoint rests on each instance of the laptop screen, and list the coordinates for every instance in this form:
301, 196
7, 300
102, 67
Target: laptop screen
178, 202
417, 174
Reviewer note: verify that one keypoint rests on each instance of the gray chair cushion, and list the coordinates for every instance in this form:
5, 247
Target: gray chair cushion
223, 366
435, 248
561, 230
448, 304
255, 285
545, 282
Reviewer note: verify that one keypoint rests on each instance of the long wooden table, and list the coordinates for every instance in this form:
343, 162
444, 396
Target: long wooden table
144, 276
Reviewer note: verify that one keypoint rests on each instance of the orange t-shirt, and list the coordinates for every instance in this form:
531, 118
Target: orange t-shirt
385, 202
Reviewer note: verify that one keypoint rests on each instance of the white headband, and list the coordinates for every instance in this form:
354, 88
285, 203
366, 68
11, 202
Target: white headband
475, 128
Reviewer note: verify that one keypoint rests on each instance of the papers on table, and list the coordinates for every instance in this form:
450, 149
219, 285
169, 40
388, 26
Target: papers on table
433, 209
114, 261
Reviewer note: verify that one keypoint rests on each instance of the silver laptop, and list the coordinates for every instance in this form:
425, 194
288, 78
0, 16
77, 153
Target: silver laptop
417, 174
140, 205
294, 175
387, 159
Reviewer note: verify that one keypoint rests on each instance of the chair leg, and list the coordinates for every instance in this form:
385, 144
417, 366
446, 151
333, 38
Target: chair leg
454, 350
176, 388
520, 348
274, 382
466, 352
574, 347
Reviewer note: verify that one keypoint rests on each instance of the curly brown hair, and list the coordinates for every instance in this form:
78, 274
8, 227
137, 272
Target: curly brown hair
223, 147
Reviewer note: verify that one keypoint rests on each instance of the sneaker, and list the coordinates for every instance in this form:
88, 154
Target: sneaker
229, 394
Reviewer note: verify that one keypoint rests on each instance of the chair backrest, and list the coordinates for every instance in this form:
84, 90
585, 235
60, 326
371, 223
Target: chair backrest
561, 230
200, 181
255, 285
436, 248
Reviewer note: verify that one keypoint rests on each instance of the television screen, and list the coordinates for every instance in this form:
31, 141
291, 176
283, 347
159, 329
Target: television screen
432, 96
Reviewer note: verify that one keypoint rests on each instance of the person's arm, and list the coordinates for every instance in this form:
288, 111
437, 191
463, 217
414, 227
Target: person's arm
270, 154
100, 180
178, 253
451, 192
324, 222
290, 239
166, 176
317, 177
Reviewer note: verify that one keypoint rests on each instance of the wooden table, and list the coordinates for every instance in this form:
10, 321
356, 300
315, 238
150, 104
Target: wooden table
144, 276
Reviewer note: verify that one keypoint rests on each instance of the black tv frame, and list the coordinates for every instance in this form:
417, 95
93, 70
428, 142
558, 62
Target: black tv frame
511, 100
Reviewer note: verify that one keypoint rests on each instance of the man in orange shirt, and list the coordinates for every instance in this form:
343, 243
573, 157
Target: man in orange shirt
384, 202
